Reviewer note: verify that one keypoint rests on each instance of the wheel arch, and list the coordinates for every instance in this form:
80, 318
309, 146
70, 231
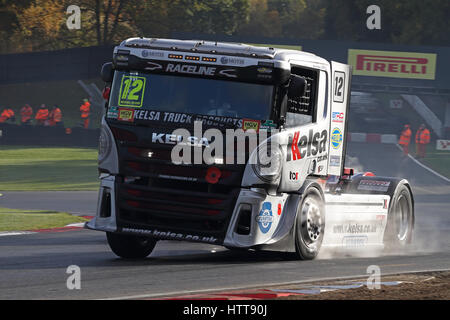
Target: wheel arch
286, 242
394, 184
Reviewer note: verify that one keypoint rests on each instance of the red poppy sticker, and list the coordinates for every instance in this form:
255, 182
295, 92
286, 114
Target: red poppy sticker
213, 175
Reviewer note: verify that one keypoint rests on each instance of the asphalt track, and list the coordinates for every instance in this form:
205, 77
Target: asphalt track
34, 266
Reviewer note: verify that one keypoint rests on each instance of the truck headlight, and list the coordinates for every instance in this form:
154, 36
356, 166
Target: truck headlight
268, 162
104, 145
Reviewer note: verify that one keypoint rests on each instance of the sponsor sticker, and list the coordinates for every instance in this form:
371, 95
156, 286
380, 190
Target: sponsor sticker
170, 235
354, 228
335, 161
265, 217
354, 241
393, 64
374, 185
248, 124
280, 209
443, 145
150, 53
176, 117
126, 115
232, 60
338, 117
336, 138
268, 125
113, 113
293, 176
265, 70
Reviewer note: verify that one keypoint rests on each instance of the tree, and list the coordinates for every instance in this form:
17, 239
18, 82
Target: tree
214, 16
412, 22
262, 20
30, 25
39, 23
110, 20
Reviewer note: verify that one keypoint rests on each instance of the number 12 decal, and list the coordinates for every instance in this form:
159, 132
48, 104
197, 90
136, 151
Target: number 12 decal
339, 86
132, 91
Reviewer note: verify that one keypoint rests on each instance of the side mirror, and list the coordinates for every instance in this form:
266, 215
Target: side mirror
297, 87
107, 72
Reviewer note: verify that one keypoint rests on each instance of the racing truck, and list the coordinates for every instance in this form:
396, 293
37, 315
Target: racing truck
237, 146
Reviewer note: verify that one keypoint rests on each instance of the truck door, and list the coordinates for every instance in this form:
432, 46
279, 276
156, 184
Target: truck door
340, 101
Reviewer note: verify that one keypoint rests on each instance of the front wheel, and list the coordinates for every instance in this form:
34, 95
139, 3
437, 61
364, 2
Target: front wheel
130, 247
309, 225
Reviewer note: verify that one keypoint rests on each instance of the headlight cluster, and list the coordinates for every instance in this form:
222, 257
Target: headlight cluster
268, 162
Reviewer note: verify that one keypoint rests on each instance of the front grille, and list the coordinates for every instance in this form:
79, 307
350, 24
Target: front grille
155, 194
175, 209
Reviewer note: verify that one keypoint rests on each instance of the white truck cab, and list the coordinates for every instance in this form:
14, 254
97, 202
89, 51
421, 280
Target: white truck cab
181, 98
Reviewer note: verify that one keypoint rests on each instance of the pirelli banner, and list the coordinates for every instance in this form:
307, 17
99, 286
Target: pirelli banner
393, 64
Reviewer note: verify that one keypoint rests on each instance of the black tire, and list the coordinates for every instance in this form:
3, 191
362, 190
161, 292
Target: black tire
309, 234
400, 221
130, 247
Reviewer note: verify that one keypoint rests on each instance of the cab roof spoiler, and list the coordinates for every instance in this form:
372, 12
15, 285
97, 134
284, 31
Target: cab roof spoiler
197, 46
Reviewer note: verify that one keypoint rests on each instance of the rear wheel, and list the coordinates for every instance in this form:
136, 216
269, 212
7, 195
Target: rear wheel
130, 247
400, 224
310, 225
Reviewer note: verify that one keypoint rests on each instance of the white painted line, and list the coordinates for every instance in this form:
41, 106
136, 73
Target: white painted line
76, 225
15, 233
425, 167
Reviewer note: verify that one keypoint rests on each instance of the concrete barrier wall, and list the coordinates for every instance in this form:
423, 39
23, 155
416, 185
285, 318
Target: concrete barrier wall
48, 136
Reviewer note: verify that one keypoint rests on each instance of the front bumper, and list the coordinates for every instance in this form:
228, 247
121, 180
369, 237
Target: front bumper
254, 218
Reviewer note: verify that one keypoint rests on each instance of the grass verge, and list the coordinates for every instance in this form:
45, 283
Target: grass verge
437, 160
48, 169
28, 220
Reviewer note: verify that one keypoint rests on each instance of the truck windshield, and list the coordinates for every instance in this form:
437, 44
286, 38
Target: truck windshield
191, 95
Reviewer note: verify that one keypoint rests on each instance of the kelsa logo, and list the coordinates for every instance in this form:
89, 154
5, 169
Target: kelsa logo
251, 125
336, 138
265, 217
313, 144
126, 115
